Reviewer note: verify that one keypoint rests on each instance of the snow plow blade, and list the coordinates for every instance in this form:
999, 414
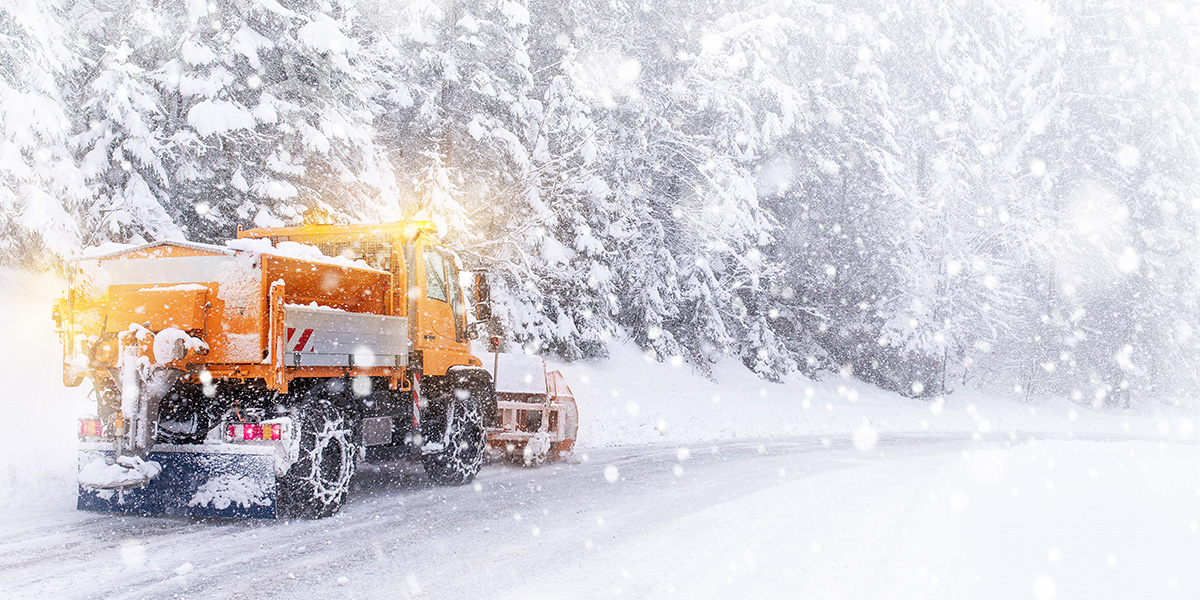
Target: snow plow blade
231, 482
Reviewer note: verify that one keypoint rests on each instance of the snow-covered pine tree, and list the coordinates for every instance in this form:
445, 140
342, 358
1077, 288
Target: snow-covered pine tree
509, 176
745, 105
828, 174
969, 236
1105, 129
274, 115
410, 46
686, 214
595, 216
41, 186
465, 112
579, 245
124, 141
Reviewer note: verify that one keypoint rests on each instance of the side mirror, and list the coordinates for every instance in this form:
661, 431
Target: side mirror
483, 298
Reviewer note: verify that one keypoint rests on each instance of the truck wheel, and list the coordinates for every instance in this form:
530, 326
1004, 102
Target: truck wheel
317, 483
454, 453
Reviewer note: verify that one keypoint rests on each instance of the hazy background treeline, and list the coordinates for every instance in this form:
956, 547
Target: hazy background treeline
920, 193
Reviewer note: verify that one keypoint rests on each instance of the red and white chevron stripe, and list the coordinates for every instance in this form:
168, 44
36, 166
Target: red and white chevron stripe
297, 343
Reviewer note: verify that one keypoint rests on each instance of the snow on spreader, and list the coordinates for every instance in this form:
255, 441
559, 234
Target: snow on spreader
537, 415
247, 380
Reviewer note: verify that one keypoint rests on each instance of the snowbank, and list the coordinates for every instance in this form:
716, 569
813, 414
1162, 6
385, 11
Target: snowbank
627, 399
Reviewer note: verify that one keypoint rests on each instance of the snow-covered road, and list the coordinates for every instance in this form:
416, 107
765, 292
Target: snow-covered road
929, 515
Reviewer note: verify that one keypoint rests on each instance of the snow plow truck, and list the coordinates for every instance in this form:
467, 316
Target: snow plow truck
246, 380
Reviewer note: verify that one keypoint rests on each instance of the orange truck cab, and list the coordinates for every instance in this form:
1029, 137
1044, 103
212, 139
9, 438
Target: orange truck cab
248, 379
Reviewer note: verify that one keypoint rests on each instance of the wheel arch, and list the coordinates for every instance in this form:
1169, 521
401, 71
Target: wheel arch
478, 381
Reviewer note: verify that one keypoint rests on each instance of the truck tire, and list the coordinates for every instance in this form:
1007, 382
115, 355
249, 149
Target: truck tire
317, 483
454, 436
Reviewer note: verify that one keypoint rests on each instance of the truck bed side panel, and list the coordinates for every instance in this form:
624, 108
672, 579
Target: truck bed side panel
321, 337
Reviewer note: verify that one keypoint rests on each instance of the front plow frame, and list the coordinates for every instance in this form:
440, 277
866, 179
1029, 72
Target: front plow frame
558, 423
552, 422
211, 480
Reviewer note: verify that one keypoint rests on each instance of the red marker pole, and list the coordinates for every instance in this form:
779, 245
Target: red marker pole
496, 354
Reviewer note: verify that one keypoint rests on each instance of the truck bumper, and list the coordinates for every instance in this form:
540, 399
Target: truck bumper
224, 480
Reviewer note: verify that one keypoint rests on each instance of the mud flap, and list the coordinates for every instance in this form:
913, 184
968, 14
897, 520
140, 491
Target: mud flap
225, 481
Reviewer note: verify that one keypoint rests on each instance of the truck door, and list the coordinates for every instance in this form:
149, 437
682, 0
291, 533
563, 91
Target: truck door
438, 314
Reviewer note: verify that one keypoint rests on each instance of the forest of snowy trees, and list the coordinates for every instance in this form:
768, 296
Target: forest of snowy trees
923, 194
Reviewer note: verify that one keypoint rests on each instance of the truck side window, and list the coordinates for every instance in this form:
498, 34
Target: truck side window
460, 312
435, 275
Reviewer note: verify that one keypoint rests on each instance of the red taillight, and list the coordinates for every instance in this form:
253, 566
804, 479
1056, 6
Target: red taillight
90, 428
242, 432
245, 431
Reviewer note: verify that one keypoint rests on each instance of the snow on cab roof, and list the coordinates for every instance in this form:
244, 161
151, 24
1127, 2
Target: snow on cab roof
296, 250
